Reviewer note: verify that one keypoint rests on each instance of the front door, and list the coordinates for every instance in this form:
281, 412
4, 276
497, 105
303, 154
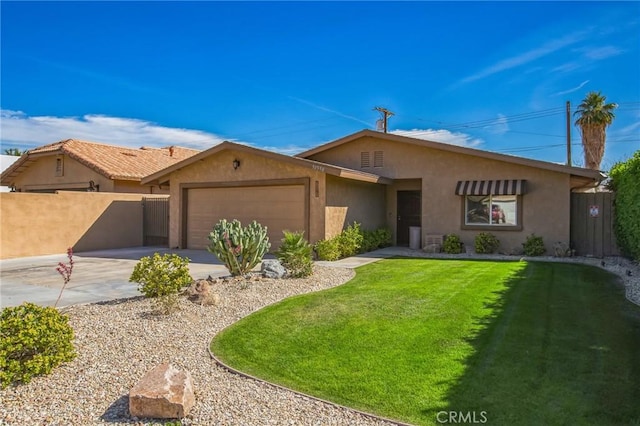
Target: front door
409, 214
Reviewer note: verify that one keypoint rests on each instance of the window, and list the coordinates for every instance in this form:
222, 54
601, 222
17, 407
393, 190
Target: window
493, 210
492, 203
364, 160
377, 158
59, 166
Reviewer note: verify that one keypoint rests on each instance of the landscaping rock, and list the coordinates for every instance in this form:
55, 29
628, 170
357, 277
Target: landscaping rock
562, 249
272, 268
165, 392
200, 292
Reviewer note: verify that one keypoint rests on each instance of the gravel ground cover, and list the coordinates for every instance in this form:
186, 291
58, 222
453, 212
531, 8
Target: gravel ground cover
119, 341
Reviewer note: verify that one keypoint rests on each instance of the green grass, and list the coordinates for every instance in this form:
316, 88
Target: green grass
514, 342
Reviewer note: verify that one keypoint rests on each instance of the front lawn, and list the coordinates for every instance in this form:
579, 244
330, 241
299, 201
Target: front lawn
505, 342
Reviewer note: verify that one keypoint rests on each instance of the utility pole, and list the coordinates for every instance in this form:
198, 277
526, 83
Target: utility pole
385, 116
568, 133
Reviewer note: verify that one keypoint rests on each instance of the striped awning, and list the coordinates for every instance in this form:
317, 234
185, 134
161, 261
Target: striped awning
491, 187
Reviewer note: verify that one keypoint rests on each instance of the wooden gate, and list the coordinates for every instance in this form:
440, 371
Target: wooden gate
592, 232
155, 221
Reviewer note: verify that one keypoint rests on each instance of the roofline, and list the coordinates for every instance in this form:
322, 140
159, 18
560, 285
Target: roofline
577, 171
162, 176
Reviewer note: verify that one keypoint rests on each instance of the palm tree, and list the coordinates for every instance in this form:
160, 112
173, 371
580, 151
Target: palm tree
594, 116
13, 151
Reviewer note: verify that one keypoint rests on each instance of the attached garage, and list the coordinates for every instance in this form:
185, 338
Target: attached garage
278, 207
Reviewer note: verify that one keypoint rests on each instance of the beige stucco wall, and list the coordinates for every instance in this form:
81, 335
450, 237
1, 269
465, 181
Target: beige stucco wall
218, 169
38, 224
351, 201
41, 175
546, 205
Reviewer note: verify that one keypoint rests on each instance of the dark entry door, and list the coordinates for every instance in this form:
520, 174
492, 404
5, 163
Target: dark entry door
409, 213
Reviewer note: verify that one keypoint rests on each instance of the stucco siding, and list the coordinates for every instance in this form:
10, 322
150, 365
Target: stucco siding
41, 175
217, 170
349, 201
545, 206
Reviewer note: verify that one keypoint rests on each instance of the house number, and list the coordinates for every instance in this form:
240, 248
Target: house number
318, 168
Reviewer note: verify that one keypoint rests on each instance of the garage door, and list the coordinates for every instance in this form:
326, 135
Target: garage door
277, 207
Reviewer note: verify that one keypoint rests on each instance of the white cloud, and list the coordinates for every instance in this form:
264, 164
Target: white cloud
444, 136
580, 86
527, 57
20, 129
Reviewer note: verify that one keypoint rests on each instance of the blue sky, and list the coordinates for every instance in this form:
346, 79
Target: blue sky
289, 76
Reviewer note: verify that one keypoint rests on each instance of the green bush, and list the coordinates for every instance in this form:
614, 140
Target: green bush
240, 249
33, 341
296, 253
350, 240
625, 182
452, 244
486, 242
373, 240
162, 278
328, 249
534, 246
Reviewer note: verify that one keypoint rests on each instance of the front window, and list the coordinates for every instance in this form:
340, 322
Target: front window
491, 210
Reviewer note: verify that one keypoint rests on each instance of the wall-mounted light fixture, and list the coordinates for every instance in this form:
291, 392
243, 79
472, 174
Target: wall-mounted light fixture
236, 164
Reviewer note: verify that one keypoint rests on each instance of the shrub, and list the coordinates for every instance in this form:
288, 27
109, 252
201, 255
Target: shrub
328, 249
240, 249
452, 244
533, 246
161, 278
295, 253
486, 242
33, 341
625, 182
350, 240
372, 240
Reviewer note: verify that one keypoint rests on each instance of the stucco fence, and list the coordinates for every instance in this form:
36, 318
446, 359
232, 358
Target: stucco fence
39, 224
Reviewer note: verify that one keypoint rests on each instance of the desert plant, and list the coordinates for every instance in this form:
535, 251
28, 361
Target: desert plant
33, 341
452, 244
350, 240
534, 246
239, 248
161, 278
65, 271
296, 253
486, 242
328, 249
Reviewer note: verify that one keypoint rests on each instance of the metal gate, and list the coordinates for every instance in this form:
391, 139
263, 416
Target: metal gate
592, 232
155, 226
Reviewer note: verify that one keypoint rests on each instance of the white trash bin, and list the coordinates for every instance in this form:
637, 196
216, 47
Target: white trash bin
415, 237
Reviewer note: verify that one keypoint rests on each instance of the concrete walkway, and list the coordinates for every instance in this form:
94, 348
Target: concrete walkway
104, 275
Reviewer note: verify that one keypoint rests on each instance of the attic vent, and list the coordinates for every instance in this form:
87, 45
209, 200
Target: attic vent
130, 154
364, 160
377, 158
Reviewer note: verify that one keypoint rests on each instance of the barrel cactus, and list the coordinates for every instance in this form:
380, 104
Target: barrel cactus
239, 248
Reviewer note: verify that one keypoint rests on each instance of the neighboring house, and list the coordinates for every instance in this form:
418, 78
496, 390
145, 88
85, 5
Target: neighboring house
5, 162
376, 179
73, 165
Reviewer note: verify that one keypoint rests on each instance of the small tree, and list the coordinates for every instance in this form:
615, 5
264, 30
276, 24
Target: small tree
240, 249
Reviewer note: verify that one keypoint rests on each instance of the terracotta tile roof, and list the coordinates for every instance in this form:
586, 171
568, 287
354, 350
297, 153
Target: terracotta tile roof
117, 162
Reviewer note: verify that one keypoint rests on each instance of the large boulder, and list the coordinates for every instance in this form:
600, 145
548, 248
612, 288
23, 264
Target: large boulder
165, 392
272, 268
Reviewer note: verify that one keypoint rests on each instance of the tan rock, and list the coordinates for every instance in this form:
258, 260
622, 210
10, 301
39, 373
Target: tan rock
165, 392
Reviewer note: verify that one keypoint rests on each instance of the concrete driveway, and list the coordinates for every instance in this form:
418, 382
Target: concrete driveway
97, 276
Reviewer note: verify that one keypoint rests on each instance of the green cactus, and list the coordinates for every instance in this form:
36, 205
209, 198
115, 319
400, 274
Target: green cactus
240, 249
